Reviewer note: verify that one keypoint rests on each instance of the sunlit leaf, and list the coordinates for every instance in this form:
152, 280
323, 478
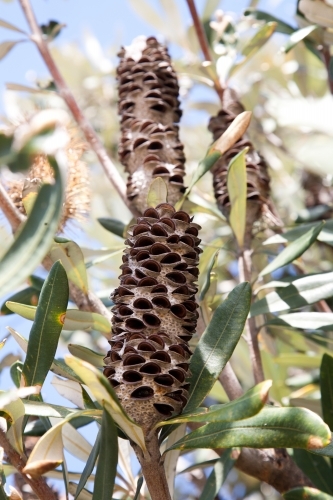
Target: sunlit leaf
90, 464
208, 270
271, 428
7, 46
325, 235
237, 189
308, 320
47, 326
71, 257
115, 226
28, 296
70, 390
87, 354
294, 250
158, 192
298, 36
9, 26
306, 493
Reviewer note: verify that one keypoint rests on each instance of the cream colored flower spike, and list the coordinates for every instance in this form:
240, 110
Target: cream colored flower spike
155, 316
149, 109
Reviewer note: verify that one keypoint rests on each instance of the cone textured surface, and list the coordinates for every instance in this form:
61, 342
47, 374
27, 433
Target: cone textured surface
258, 189
155, 316
149, 111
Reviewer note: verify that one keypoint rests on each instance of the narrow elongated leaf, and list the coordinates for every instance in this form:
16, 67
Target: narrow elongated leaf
115, 226
34, 238
301, 292
294, 250
306, 493
281, 26
70, 390
233, 133
7, 46
41, 409
325, 235
86, 354
316, 468
47, 326
158, 192
15, 410
84, 494
74, 442
327, 451
89, 467
271, 428
138, 488
9, 396
28, 296
237, 190
9, 26
218, 475
208, 270
74, 320
308, 320
244, 407
259, 39
171, 458
105, 395
218, 343
298, 36
108, 459
326, 389
71, 257
298, 359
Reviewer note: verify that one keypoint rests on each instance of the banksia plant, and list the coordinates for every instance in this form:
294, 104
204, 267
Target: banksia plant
77, 194
258, 190
318, 191
149, 110
155, 315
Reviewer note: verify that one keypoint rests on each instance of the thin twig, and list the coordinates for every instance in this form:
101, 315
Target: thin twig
203, 42
230, 382
14, 217
38, 484
88, 131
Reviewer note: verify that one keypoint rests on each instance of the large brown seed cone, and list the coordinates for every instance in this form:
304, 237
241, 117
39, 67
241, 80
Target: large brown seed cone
149, 109
258, 189
155, 316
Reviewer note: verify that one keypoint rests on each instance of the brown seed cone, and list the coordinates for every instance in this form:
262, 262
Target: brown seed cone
155, 315
317, 193
258, 203
149, 109
77, 194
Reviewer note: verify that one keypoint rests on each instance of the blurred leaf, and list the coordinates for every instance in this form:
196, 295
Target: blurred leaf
217, 477
36, 282
105, 395
271, 428
24, 88
208, 270
28, 296
237, 189
171, 458
9, 26
138, 488
108, 459
294, 250
33, 239
113, 225
209, 8
298, 359
6, 47
47, 326
233, 133
316, 468
326, 234
301, 292
9, 396
16, 372
306, 493
281, 26
74, 320
217, 343
70, 390
158, 192
200, 465
52, 29
298, 36
41, 409
72, 259
308, 320
326, 389
320, 14
244, 407
89, 467
92, 357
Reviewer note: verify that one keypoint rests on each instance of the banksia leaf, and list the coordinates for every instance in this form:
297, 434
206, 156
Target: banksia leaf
258, 203
155, 316
149, 110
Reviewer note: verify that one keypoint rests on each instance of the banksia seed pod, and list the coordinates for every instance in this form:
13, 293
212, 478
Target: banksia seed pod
258, 189
155, 315
149, 109
77, 194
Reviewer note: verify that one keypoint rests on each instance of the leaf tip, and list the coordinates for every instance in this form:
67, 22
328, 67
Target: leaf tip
40, 467
266, 385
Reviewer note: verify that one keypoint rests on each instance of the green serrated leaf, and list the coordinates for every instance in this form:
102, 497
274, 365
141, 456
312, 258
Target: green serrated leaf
301, 292
294, 250
158, 192
237, 189
71, 257
115, 226
47, 326
34, 237
87, 354
218, 343
217, 477
108, 459
306, 493
271, 428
